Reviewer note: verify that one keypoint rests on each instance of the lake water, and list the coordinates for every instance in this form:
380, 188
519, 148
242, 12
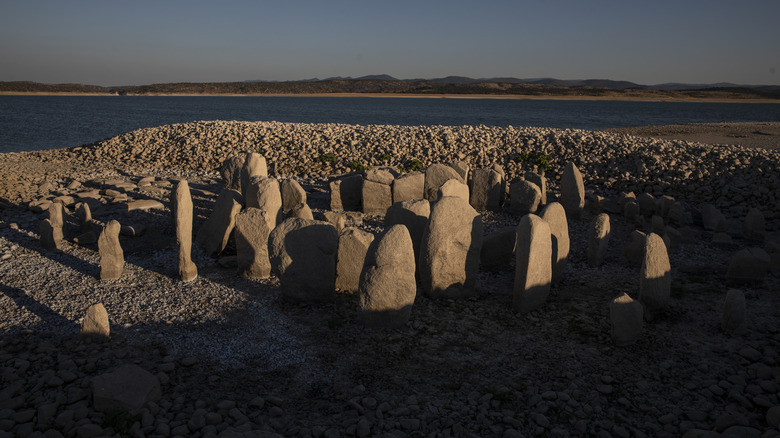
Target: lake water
46, 122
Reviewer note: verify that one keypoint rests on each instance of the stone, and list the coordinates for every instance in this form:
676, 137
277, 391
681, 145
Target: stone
353, 245
95, 322
264, 193
128, 388
533, 268
292, 194
646, 203
408, 187
214, 233
540, 182
182, 213
84, 213
754, 229
387, 286
381, 174
624, 198
51, 236
254, 165
461, 167
733, 319
251, 232
626, 318
572, 191
486, 189
112, 259
145, 205
748, 266
303, 253
498, 248
598, 240
414, 215
773, 416
498, 168
631, 211
346, 193
336, 218
435, 176
656, 278
677, 215
377, 197
663, 205
524, 197
712, 218
449, 253
635, 250
56, 215
230, 171
657, 225
555, 216
302, 211
455, 188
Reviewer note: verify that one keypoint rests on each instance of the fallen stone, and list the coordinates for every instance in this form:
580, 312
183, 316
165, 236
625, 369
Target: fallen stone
128, 388
656, 279
145, 205
748, 266
346, 193
408, 187
382, 175
555, 216
353, 245
524, 197
95, 322
292, 194
214, 233
572, 191
733, 320
251, 233
533, 269
112, 259
598, 240
182, 213
435, 176
626, 317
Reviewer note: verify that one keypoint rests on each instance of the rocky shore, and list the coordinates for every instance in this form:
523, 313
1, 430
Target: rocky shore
233, 359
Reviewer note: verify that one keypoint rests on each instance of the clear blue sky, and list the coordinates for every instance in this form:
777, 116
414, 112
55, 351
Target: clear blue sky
135, 42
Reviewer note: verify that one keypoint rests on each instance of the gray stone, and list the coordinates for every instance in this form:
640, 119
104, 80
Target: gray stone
631, 211
302, 211
524, 197
264, 193
657, 225
646, 203
95, 322
346, 193
377, 197
353, 245
408, 187
387, 282
336, 218
656, 279
56, 215
51, 236
663, 205
84, 213
128, 388
749, 265
635, 250
112, 259
626, 317
449, 254
214, 233
677, 215
461, 167
254, 165
292, 194
414, 215
555, 216
303, 253
145, 205
533, 269
497, 249
572, 191
733, 319
754, 229
182, 210
435, 176
598, 239
251, 231
455, 188
487, 186
381, 174
712, 218
540, 182
230, 171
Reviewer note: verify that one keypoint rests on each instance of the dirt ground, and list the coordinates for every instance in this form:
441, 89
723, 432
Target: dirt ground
753, 135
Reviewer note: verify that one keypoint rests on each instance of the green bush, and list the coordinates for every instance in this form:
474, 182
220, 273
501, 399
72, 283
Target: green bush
541, 159
330, 157
357, 165
385, 157
413, 165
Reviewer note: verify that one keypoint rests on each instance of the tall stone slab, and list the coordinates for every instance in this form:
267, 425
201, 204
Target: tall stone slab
461, 167
264, 193
598, 239
414, 215
451, 245
533, 269
541, 182
182, 208
408, 187
655, 282
626, 318
524, 197
754, 228
112, 259
572, 191
230, 171
435, 176
377, 197
214, 233
84, 213
486, 189
555, 216
252, 233
254, 165
51, 236
346, 193
353, 245
292, 194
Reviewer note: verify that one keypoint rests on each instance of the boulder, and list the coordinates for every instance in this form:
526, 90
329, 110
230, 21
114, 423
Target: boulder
214, 233
302, 211
555, 216
733, 320
748, 266
626, 318
598, 239
353, 245
254, 165
455, 188
182, 210
126, 389
635, 250
336, 218
408, 187
95, 322
145, 205
292, 194
251, 231
112, 259
498, 248
572, 191
346, 192
646, 203
264, 193
56, 215
461, 167
486, 190
230, 171
414, 215
657, 225
631, 211
655, 282
712, 218
435, 176
524, 197
754, 229
377, 197
540, 182
533, 268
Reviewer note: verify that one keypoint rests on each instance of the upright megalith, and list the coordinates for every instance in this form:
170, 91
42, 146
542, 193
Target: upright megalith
733, 316
387, 283
84, 213
435, 176
626, 318
486, 189
655, 282
303, 253
541, 182
264, 193
533, 269
251, 231
497, 249
572, 191
414, 215
182, 209
51, 228
598, 239
451, 245
748, 266
409, 186
712, 218
292, 194
377, 196
346, 192
95, 323
647, 203
555, 216
754, 228
230, 171
254, 165
214, 233
461, 167
635, 250
453, 187
112, 259
353, 245
524, 197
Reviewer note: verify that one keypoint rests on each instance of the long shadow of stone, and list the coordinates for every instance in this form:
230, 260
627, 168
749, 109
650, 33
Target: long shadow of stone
42, 311
59, 256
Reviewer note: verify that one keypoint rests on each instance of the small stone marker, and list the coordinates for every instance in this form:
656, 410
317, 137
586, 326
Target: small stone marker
409, 186
182, 208
524, 197
231, 172
598, 240
533, 269
112, 259
96, 322
655, 282
486, 189
414, 215
454, 187
436, 175
292, 194
346, 193
264, 193
734, 320
754, 229
214, 233
353, 245
251, 233
126, 389
626, 317
254, 165
387, 282
555, 216
572, 191
748, 266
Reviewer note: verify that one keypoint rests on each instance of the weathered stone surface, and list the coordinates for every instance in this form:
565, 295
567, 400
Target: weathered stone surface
292, 194
646, 203
251, 231
533, 269
414, 215
51, 236
435, 176
128, 388
598, 239
95, 322
346, 193
635, 250
497, 249
449, 254
733, 319
336, 218
572, 191
461, 167
749, 265
56, 215
631, 211
677, 215
112, 259
663, 205
353, 245
455, 188
555, 216
712, 218
182, 210
540, 182
387, 282
145, 205
524, 197
230, 171
254, 165
626, 317
656, 279
377, 197
264, 193
500, 169
487, 186
302, 211
303, 253
84, 213
214, 233
657, 225
381, 174
754, 228
408, 187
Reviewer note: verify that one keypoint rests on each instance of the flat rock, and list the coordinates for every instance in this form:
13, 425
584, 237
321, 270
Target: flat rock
128, 388
145, 205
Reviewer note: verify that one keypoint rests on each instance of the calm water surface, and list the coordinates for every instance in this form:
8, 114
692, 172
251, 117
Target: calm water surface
45, 122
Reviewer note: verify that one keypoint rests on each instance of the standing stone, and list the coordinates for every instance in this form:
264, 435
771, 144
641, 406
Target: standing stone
486, 189
677, 216
646, 203
555, 216
252, 243
449, 254
112, 259
292, 194
631, 211
353, 245
408, 187
572, 191
461, 167
712, 218
51, 236
387, 282
56, 215
435, 176
748, 266
254, 165
657, 225
598, 240
303, 253
455, 188
498, 168
377, 197
346, 193
540, 182
302, 211
656, 281
663, 205
85, 217
214, 233
230, 171
95, 322
264, 193
497, 249
733, 319
754, 229
382, 174
524, 197
635, 250
533, 269
626, 317
182, 208
414, 215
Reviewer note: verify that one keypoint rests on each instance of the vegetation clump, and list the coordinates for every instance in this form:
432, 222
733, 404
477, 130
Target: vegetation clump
330, 157
540, 159
357, 165
413, 165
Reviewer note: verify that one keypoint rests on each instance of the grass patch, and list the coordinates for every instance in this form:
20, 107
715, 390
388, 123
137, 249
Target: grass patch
357, 165
540, 159
413, 165
330, 157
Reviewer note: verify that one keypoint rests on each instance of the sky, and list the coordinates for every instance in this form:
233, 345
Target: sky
112, 42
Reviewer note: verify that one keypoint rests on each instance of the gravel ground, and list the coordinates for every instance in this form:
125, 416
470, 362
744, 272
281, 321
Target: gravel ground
235, 360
